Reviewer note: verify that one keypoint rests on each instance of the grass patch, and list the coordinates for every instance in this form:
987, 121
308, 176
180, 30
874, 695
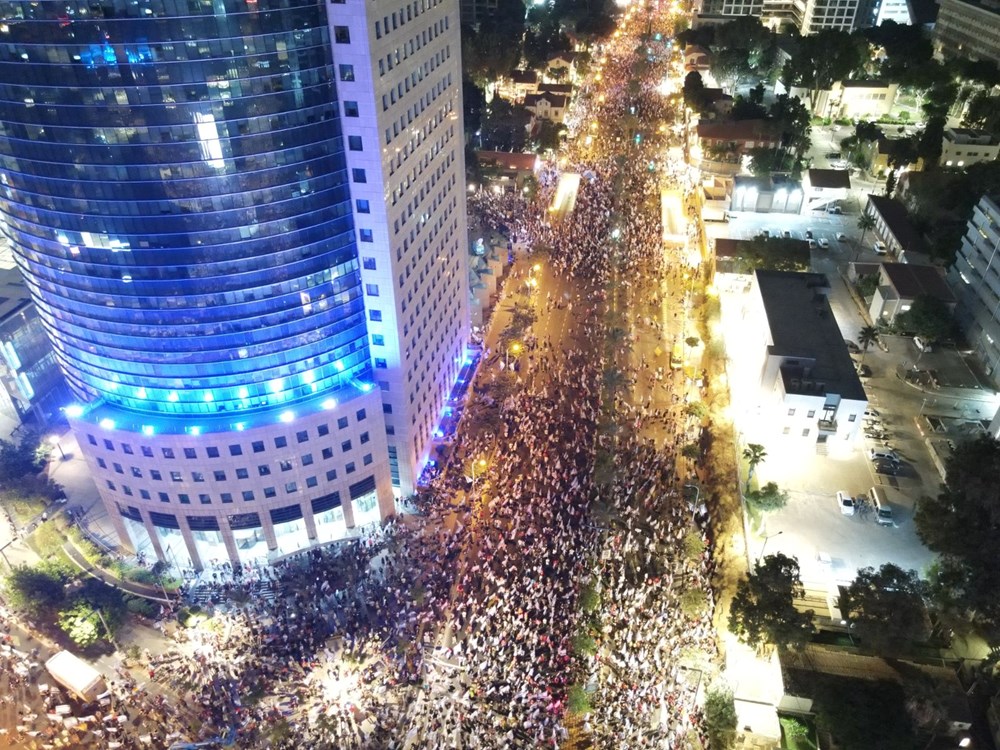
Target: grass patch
797, 733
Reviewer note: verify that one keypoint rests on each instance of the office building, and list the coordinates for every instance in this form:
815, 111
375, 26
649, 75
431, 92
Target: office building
809, 390
962, 147
974, 279
965, 28
194, 195
805, 16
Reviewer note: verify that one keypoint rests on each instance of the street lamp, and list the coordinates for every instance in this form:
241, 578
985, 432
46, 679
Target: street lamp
768, 538
54, 441
516, 348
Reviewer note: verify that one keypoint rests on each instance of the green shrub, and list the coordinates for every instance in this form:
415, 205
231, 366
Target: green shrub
793, 728
584, 644
693, 603
139, 606
693, 544
577, 700
590, 600
720, 718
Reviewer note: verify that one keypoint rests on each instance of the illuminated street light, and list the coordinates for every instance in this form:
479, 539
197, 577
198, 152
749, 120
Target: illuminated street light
516, 348
54, 441
481, 464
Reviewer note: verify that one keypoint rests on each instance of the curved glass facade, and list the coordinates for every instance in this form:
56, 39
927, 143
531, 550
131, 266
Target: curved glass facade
174, 184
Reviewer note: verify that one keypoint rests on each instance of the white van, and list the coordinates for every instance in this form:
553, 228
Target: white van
883, 513
879, 247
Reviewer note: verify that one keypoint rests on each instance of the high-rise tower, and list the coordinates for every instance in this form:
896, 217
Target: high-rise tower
176, 183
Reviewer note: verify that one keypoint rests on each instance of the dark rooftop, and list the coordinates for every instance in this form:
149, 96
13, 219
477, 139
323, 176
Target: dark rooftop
894, 215
911, 281
802, 326
830, 178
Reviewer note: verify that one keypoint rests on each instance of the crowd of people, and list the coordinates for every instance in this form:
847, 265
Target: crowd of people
574, 578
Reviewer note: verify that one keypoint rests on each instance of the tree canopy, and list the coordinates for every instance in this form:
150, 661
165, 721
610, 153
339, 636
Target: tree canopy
823, 59
773, 254
763, 610
962, 524
928, 318
885, 608
37, 588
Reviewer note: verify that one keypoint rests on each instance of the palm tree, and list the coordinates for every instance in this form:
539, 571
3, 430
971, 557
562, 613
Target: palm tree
866, 337
754, 454
865, 223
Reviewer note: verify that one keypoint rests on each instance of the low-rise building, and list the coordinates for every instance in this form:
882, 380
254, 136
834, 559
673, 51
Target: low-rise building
559, 66
697, 59
893, 226
809, 389
887, 150
551, 107
899, 286
770, 194
961, 147
737, 135
824, 188
518, 85
867, 100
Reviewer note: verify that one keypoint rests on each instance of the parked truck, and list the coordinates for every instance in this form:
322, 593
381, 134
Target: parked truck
76, 675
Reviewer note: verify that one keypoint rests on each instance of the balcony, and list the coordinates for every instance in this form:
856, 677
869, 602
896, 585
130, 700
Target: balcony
827, 425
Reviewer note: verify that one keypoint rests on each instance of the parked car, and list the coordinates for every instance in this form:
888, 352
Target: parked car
888, 468
846, 503
879, 247
922, 344
870, 412
825, 244
833, 155
834, 210
786, 234
841, 237
883, 455
809, 234
852, 347
812, 244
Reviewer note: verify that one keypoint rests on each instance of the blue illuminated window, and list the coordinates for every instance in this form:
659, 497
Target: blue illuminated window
345, 446
311, 482
362, 206
323, 430
371, 290
367, 459
242, 474
350, 109
226, 497
164, 497
212, 452
342, 423
341, 35
346, 72
235, 450
366, 235
368, 263
281, 442
258, 446
375, 315
270, 492
354, 143
361, 415
184, 498
248, 495
378, 339
359, 175
350, 468
380, 363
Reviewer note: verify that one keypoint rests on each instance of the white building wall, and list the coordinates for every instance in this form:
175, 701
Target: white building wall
405, 58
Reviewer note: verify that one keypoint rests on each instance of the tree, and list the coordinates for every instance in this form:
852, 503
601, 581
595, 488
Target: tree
983, 113
928, 317
19, 459
764, 161
548, 136
763, 610
754, 454
793, 119
867, 336
962, 524
82, 623
930, 143
694, 92
890, 183
769, 497
865, 224
885, 608
720, 718
504, 126
827, 57
730, 68
36, 589
843, 709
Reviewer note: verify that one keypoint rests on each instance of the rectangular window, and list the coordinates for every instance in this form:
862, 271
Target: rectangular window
127, 449
311, 482
127, 490
331, 475
248, 495
380, 363
155, 475
323, 430
111, 485
350, 109
366, 235
291, 487
164, 497
307, 459
147, 451
371, 289
285, 465
364, 438
258, 446
270, 492
390, 430
144, 494
341, 35
235, 450
375, 316
811, 413
368, 263
111, 446
359, 176
184, 498
219, 476
263, 470
281, 442
354, 143
805, 432
136, 472
362, 206
168, 452
852, 418
204, 499
345, 446
378, 339
91, 439
301, 436
387, 408
226, 497
175, 476
197, 476
242, 474
367, 459
327, 453
346, 72
350, 468
791, 412
361, 415
190, 453
342, 423
212, 452
118, 468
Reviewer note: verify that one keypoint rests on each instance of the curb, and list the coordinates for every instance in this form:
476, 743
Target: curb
136, 589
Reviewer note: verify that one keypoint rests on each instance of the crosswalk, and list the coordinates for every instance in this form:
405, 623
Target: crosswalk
204, 594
